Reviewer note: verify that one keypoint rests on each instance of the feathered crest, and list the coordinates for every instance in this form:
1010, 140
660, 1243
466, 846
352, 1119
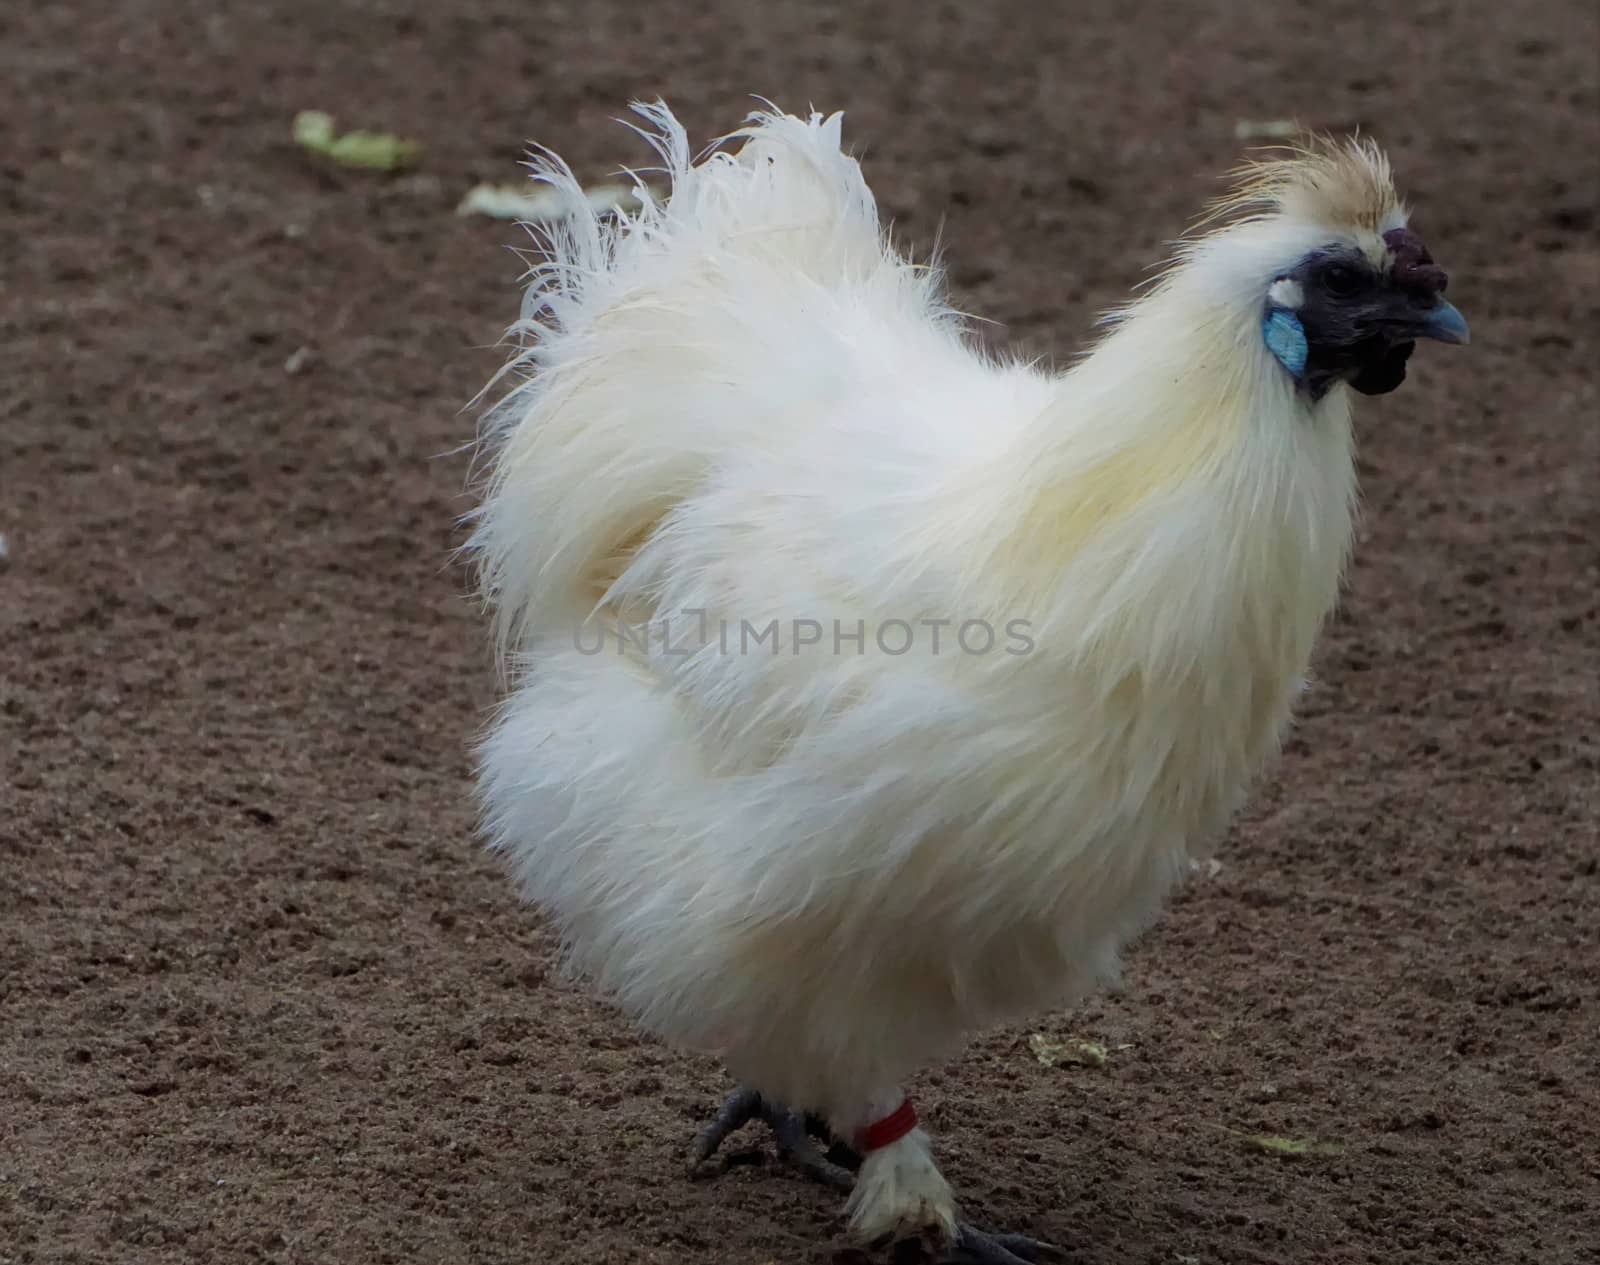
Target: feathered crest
1344, 184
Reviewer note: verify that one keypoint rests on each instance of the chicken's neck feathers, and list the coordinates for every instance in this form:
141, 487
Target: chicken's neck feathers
1174, 481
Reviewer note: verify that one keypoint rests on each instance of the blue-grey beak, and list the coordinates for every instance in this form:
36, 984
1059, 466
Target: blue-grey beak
1445, 324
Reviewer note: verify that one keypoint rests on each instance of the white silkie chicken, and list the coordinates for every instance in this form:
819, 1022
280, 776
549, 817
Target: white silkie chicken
868, 691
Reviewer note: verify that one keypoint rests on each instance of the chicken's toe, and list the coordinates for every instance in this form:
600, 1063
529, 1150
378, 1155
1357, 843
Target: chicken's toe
795, 1145
980, 1247
741, 1107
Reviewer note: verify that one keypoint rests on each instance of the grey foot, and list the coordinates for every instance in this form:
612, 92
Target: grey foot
797, 1136
979, 1247
972, 1247
792, 1131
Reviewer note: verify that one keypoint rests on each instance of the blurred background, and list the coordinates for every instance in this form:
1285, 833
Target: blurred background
261, 996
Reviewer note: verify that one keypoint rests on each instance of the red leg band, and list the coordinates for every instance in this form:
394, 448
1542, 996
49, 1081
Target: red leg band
889, 1130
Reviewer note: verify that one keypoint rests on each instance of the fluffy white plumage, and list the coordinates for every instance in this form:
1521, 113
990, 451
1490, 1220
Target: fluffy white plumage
829, 867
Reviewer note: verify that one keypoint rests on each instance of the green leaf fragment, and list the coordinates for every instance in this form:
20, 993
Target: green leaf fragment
371, 151
1275, 1144
1072, 1050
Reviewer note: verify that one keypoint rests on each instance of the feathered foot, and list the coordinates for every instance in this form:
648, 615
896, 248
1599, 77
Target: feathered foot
798, 1135
794, 1134
932, 1235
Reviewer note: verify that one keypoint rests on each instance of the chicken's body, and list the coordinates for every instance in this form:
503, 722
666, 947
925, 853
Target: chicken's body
826, 850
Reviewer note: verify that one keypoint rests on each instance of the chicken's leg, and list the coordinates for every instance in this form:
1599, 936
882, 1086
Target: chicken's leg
797, 1137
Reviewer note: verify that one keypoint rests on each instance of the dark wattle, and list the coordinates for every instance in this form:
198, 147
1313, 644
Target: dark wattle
1383, 369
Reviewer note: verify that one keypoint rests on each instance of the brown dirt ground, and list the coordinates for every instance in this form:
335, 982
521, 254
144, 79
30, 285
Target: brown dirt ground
261, 996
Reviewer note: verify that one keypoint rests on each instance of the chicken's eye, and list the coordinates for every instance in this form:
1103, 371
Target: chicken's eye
1341, 280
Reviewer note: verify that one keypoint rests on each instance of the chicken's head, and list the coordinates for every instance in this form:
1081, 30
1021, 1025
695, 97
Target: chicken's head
1358, 287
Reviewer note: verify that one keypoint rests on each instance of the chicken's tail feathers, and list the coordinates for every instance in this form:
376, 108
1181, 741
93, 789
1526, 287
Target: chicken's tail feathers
726, 197
656, 339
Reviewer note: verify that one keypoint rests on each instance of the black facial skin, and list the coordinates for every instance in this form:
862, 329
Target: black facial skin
1359, 326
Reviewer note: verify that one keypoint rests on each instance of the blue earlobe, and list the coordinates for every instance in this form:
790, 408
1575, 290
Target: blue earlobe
1286, 340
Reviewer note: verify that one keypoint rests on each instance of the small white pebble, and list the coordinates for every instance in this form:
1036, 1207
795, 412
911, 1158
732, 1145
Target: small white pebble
542, 203
299, 360
5, 549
